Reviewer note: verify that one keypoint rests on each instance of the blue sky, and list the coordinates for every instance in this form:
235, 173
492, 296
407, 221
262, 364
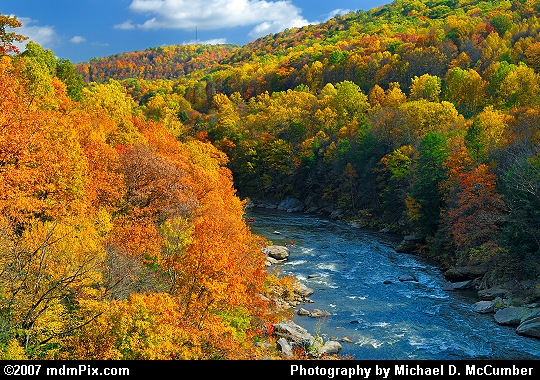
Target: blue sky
82, 29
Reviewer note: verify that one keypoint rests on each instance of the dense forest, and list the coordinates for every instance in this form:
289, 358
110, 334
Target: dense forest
420, 117
117, 240
156, 63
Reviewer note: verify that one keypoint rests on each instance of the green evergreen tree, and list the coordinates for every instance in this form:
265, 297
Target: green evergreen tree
428, 174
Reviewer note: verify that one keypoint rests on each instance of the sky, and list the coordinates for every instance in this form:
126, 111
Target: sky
79, 30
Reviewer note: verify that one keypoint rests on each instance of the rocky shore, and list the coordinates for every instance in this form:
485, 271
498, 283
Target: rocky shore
289, 334
515, 303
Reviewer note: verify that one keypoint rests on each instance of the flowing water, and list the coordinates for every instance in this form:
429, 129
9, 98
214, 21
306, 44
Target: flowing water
356, 279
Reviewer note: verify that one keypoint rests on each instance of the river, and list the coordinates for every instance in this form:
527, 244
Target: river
385, 319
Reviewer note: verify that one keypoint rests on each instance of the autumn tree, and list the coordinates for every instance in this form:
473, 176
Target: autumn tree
8, 38
479, 211
466, 89
349, 101
532, 55
486, 133
42, 164
73, 81
112, 99
422, 116
426, 87
227, 123
520, 86
46, 270
376, 96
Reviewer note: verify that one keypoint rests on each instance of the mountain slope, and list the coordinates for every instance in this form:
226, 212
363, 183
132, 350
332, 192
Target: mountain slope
384, 28
164, 62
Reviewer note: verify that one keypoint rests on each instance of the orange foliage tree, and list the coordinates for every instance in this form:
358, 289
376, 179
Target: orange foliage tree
479, 210
118, 241
42, 163
8, 38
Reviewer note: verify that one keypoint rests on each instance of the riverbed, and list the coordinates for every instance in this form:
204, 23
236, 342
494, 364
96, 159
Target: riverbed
355, 276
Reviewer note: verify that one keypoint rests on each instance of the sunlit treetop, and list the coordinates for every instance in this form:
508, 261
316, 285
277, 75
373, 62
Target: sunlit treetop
8, 38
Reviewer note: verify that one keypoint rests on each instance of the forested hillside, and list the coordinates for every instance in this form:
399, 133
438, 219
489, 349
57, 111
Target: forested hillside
420, 116
117, 240
155, 63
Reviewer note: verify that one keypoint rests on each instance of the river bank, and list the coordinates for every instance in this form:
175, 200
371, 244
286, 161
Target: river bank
374, 314
513, 302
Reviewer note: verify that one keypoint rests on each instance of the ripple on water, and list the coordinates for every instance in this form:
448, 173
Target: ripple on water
429, 291
438, 348
350, 275
362, 298
307, 251
440, 296
368, 341
358, 313
432, 310
322, 281
295, 262
327, 266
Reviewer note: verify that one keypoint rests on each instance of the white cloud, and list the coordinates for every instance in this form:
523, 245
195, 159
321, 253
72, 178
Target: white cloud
126, 25
45, 36
77, 39
215, 41
264, 16
337, 12
275, 26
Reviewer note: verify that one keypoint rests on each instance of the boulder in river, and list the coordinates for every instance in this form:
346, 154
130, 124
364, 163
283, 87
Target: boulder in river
407, 277
511, 315
302, 290
291, 205
291, 334
484, 307
492, 293
464, 273
285, 348
460, 285
277, 252
530, 325
318, 313
330, 348
409, 244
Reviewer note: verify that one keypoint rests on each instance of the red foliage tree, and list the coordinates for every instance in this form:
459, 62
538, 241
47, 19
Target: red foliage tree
479, 209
